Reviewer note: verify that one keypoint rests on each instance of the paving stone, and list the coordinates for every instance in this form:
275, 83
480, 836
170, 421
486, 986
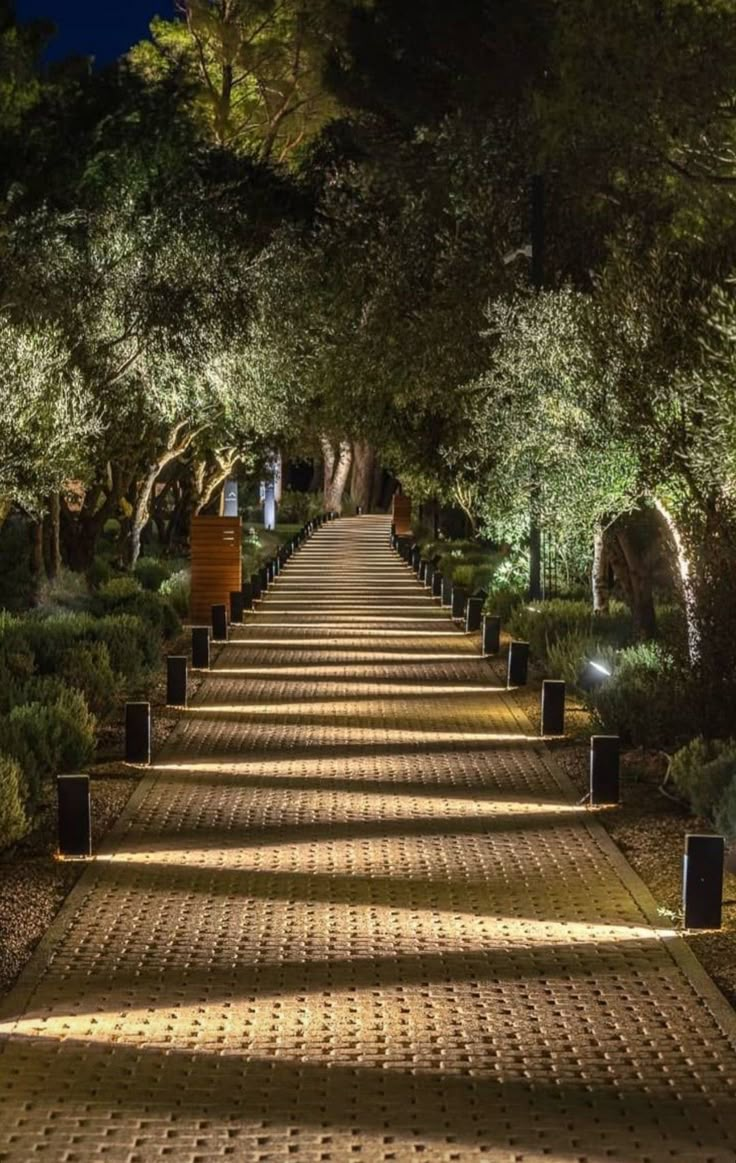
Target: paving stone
355, 912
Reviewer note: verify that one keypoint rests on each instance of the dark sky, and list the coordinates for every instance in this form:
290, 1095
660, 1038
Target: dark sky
100, 28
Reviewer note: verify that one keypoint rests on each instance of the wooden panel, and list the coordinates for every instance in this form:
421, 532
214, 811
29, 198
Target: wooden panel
217, 564
402, 514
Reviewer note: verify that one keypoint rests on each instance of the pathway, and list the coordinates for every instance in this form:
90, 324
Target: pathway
355, 914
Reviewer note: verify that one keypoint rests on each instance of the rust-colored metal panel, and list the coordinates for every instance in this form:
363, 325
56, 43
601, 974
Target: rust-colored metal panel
402, 514
217, 564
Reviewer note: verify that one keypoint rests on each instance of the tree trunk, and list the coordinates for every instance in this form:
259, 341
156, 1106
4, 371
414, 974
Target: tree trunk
637, 583
54, 564
36, 539
337, 471
364, 466
599, 576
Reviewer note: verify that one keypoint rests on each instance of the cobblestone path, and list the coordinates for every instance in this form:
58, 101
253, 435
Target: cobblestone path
354, 914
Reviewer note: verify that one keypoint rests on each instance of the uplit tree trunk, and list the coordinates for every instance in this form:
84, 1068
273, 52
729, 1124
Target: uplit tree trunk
337, 471
364, 466
176, 447
636, 580
599, 573
209, 479
54, 523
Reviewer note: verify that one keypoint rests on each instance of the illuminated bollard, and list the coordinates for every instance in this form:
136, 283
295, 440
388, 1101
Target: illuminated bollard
605, 783
702, 881
473, 614
201, 648
458, 600
518, 670
429, 575
255, 585
490, 634
138, 733
264, 578
236, 607
176, 681
247, 595
219, 623
416, 558
437, 580
358, 510
446, 591
553, 707
75, 815
422, 575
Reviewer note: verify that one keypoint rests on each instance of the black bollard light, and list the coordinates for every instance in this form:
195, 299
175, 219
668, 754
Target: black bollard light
416, 557
446, 591
702, 881
219, 623
201, 648
553, 707
423, 567
605, 783
458, 601
138, 733
176, 681
236, 607
255, 585
437, 580
473, 614
429, 575
263, 574
75, 815
490, 634
518, 671
247, 595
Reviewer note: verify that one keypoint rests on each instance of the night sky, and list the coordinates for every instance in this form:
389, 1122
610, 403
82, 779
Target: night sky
100, 28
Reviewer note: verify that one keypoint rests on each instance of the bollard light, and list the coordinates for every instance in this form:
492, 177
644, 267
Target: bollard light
518, 669
458, 600
176, 681
702, 881
138, 733
201, 647
247, 594
437, 580
75, 815
219, 623
490, 642
473, 614
255, 585
264, 578
429, 575
236, 607
553, 707
446, 591
605, 784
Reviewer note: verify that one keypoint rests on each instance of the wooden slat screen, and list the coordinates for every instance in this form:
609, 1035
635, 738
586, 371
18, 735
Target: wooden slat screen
402, 514
217, 567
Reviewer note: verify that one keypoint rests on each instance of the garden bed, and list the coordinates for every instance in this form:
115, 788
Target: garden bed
648, 828
33, 882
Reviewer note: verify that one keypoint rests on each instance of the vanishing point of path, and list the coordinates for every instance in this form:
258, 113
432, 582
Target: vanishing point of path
353, 913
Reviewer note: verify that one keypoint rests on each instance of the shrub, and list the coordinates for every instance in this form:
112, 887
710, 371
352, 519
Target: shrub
99, 573
132, 647
124, 595
541, 624
462, 575
49, 738
177, 591
151, 572
50, 637
725, 816
296, 508
570, 658
646, 698
67, 591
503, 600
87, 668
13, 819
17, 584
702, 771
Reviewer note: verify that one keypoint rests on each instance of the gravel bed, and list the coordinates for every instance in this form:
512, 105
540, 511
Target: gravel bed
648, 828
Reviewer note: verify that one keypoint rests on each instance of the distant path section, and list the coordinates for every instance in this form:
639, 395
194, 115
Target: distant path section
354, 913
